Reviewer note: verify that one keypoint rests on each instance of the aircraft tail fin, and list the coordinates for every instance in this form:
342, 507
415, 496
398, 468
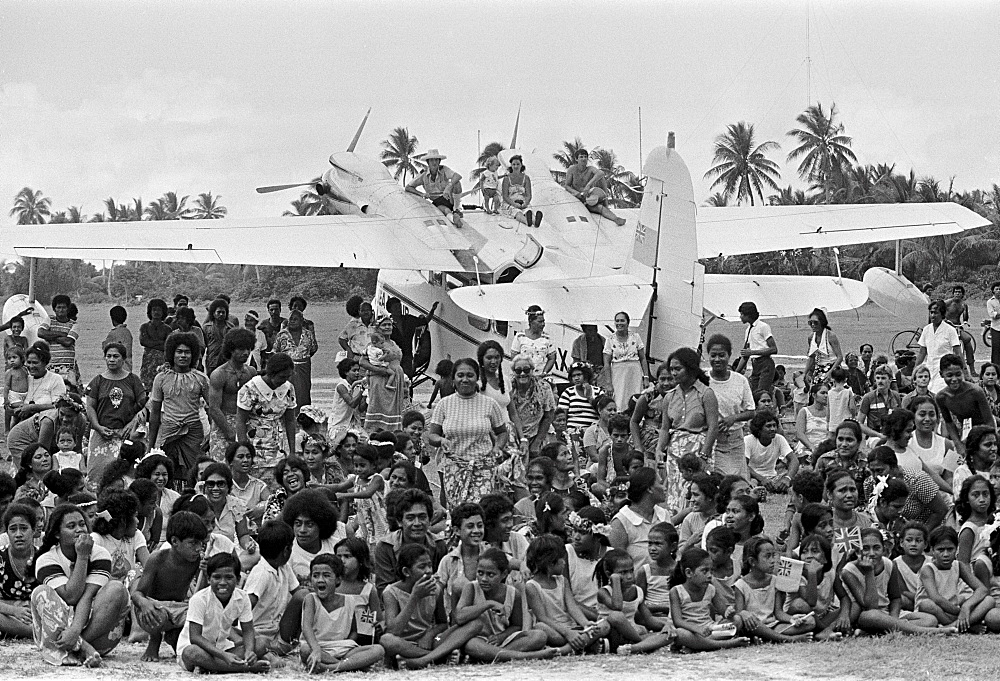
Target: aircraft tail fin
665, 248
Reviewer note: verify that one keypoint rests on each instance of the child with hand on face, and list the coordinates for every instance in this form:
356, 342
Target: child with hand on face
634, 629
328, 624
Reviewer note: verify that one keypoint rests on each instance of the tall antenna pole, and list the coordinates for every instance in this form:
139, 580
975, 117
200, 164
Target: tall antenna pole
808, 59
479, 143
639, 174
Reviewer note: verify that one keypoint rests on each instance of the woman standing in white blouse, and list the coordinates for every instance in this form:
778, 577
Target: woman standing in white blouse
626, 370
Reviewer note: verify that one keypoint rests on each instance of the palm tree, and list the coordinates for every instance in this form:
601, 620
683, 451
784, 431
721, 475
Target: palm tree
742, 165
301, 206
58, 218
116, 212
174, 207
207, 207
567, 156
156, 211
823, 146
623, 185
489, 151
30, 207
399, 152
790, 197
718, 200
75, 214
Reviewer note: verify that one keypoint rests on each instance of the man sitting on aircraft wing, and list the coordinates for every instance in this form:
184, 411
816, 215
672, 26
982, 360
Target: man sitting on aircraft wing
588, 184
441, 185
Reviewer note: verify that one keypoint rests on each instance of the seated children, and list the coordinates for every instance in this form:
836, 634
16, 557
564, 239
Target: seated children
538, 477
116, 530
358, 587
634, 629
913, 543
987, 569
691, 603
806, 488
653, 578
759, 605
416, 621
941, 593
821, 593
217, 617
270, 585
496, 606
975, 505
876, 587
588, 532
328, 628
159, 595
720, 544
552, 603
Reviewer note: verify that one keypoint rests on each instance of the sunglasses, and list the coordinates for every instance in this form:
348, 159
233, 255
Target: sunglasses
209, 484
524, 370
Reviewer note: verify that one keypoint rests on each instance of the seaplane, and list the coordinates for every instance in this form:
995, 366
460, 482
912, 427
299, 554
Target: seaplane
581, 268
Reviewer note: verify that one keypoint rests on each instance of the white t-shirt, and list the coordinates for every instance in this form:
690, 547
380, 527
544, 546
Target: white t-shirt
273, 589
761, 459
122, 552
299, 562
938, 343
733, 394
220, 624
538, 349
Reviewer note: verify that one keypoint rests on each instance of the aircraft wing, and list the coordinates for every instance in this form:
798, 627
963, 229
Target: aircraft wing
781, 296
740, 230
314, 241
566, 301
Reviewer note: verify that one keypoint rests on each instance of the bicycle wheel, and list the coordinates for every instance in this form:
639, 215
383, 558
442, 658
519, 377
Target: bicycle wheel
904, 340
987, 337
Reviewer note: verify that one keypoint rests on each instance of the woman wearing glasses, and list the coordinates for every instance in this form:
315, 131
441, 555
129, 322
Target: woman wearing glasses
534, 402
824, 349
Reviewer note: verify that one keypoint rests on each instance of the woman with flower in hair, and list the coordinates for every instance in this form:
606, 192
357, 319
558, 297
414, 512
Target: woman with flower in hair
588, 542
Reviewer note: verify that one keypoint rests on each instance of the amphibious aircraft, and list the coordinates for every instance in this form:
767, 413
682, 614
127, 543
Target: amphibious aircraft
580, 267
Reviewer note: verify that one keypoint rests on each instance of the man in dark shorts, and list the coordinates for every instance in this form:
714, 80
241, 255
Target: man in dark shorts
441, 186
957, 314
588, 184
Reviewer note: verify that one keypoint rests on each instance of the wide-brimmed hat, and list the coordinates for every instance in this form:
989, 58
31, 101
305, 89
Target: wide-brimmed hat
432, 153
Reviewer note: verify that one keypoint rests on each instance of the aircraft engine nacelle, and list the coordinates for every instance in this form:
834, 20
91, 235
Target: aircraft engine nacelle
327, 186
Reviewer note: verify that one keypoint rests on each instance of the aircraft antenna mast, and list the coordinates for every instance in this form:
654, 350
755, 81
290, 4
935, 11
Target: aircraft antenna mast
808, 59
640, 142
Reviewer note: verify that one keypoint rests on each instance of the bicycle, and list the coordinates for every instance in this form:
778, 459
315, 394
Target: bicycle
908, 340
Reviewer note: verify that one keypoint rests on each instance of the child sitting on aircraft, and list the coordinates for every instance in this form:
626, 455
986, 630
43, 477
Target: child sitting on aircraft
489, 185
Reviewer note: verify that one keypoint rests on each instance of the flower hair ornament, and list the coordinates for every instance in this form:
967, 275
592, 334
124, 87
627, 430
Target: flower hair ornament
153, 452
547, 508
583, 525
881, 482
988, 530
104, 515
88, 504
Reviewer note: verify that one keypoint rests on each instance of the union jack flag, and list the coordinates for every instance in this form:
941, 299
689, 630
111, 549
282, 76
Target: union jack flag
640, 233
366, 621
846, 540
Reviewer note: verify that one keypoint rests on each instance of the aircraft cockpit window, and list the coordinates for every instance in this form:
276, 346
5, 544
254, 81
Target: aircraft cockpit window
501, 327
479, 323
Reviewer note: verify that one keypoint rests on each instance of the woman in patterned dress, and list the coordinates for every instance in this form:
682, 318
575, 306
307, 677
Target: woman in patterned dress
626, 371
298, 341
690, 421
647, 415
16, 582
472, 434
265, 414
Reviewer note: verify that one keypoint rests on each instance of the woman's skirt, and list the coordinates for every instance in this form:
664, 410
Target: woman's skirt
218, 442
103, 450
730, 454
152, 360
681, 444
467, 480
385, 405
626, 381
302, 382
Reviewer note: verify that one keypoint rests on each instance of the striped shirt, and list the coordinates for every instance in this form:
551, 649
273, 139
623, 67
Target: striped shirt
53, 568
580, 409
63, 358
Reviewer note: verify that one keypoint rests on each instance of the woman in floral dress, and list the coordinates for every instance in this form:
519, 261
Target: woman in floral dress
626, 371
298, 341
265, 414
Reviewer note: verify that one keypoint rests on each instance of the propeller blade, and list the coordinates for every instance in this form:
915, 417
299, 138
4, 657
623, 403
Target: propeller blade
357, 135
517, 121
280, 187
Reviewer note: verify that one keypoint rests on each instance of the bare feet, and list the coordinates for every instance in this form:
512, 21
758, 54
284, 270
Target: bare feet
414, 663
90, 657
259, 667
738, 642
620, 221
543, 654
802, 638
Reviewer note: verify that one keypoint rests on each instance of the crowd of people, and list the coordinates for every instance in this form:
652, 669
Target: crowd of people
207, 507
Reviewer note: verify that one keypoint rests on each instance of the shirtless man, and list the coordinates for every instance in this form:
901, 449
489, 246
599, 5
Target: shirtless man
441, 185
585, 182
224, 385
957, 314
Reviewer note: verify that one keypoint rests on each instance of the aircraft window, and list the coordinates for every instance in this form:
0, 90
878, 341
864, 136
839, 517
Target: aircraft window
583, 219
501, 327
442, 222
479, 323
452, 282
428, 223
571, 219
508, 275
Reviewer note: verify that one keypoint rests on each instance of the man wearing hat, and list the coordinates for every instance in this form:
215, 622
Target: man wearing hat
441, 185
588, 184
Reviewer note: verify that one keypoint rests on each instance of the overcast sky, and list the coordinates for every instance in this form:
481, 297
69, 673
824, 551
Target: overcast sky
128, 99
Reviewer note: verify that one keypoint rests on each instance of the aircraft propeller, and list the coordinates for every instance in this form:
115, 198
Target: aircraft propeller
281, 187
